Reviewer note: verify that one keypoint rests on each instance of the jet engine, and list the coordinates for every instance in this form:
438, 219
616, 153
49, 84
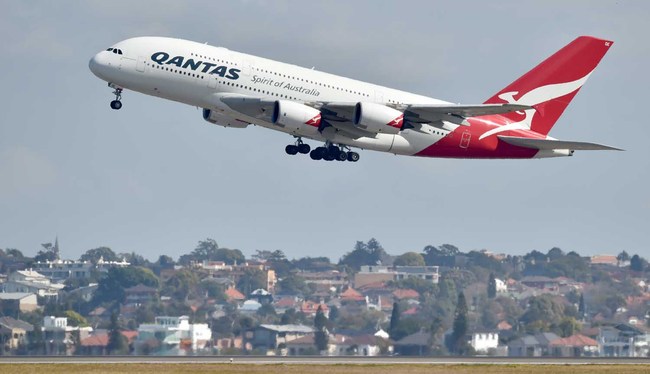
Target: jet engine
222, 120
378, 118
295, 116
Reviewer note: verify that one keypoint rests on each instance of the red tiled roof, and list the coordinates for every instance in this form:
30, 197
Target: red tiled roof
285, 302
576, 340
410, 312
352, 294
309, 307
373, 286
233, 294
604, 259
101, 340
406, 294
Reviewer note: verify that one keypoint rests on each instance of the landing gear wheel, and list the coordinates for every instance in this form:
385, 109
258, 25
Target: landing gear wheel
315, 155
341, 156
291, 149
304, 148
353, 156
116, 104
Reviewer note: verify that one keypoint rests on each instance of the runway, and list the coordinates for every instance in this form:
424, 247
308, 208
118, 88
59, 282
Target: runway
320, 360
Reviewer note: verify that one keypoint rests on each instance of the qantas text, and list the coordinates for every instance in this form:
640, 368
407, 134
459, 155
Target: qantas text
205, 67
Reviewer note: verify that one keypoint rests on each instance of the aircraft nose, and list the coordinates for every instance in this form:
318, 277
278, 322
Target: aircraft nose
98, 64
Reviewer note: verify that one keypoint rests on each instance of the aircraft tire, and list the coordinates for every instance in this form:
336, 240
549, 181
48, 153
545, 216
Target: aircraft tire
353, 156
116, 104
291, 149
304, 148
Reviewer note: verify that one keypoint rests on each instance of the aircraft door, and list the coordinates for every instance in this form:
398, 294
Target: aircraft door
139, 66
464, 140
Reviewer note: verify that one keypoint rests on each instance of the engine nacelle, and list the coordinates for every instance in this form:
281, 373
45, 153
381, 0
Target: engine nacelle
222, 119
378, 118
295, 116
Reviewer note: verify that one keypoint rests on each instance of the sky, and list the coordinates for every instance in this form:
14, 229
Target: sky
154, 178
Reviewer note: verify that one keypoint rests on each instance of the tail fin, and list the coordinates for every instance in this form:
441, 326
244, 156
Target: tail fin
551, 85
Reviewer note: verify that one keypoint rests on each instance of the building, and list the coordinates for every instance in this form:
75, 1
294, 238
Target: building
58, 336
270, 337
574, 346
417, 344
172, 336
30, 281
622, 340
97, 343
59, 270
484, 341
14, 333
532, 345
340, 345
139, 294
235, 272
374, 274
13, 303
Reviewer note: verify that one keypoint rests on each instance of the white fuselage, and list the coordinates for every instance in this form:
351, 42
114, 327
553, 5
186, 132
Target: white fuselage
199, 75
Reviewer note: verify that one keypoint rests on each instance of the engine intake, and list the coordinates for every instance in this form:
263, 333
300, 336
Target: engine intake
295, 116
378, 118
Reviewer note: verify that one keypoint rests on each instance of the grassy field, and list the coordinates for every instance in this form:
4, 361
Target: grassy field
329, 369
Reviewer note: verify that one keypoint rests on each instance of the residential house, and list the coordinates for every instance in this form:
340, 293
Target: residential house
60, 270
541, 283
172, 336
484, 342
139, 294
31, 281
574, 346
58, 336
234, 296
532, 345
270, 337
310, 308
86, 293
261, 295
427, 273
13, 334
96, 344
324, 279
405, 294
377, 273
13, 303
417, 344
622, 340
340, 345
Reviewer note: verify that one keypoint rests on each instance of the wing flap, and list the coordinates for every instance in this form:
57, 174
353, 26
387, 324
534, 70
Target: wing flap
435, 112
548, 144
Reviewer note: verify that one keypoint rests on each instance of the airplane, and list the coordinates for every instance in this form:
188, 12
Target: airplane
237, 90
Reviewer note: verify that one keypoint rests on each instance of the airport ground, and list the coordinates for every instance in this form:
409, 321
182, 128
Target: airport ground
162, 365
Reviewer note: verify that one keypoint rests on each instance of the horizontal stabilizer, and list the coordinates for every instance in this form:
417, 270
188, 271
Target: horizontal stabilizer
548, 144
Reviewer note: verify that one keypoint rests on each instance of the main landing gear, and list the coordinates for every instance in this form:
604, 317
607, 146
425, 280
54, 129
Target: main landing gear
329, 152
299, 147
117, 103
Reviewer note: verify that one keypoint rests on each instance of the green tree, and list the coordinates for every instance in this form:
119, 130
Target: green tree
623, 257
637, 263
458, 342
93, 255
409, 259
492, 287
371, 253
76, 319
208, 250
182, 285
111, 286
581, 307
394, 320
117, 343
251, 280
48, 253
321, 336
568, 326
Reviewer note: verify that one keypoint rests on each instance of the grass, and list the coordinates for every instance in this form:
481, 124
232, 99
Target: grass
329, 369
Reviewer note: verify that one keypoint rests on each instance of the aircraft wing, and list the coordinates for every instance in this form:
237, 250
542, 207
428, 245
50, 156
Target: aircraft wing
555, 144
424, 113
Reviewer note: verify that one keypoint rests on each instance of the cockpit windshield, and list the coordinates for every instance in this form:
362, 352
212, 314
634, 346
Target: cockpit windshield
117, 51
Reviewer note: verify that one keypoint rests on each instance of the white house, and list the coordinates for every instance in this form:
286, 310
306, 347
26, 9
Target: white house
173, 336
483, 341
502, 287
30, 281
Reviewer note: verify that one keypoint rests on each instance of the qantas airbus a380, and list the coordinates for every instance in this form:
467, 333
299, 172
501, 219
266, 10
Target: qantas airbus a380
236, 89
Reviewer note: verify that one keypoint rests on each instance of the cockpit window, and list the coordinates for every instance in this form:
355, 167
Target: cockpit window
109, 49
115, 50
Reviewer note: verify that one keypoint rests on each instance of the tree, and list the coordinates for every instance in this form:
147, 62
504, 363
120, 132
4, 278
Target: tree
581, 306
321, 336
394, 320
76, 319
409, 259
371, 253
135, 259
251, 280
637, 263
623, 257
568, 326
182, 285
208, 250
117, 343
458, 343
93, 255
111, 286
555, 253
48, 253
492, 287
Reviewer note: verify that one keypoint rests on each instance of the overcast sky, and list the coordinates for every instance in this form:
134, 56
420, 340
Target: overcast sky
155, 178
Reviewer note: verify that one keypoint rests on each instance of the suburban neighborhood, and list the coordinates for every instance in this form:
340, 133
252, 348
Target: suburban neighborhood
436, 301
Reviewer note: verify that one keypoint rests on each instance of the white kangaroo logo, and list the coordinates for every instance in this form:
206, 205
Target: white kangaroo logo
533, 97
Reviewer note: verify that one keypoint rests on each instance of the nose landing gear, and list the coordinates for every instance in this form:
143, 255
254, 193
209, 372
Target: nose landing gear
117, 103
